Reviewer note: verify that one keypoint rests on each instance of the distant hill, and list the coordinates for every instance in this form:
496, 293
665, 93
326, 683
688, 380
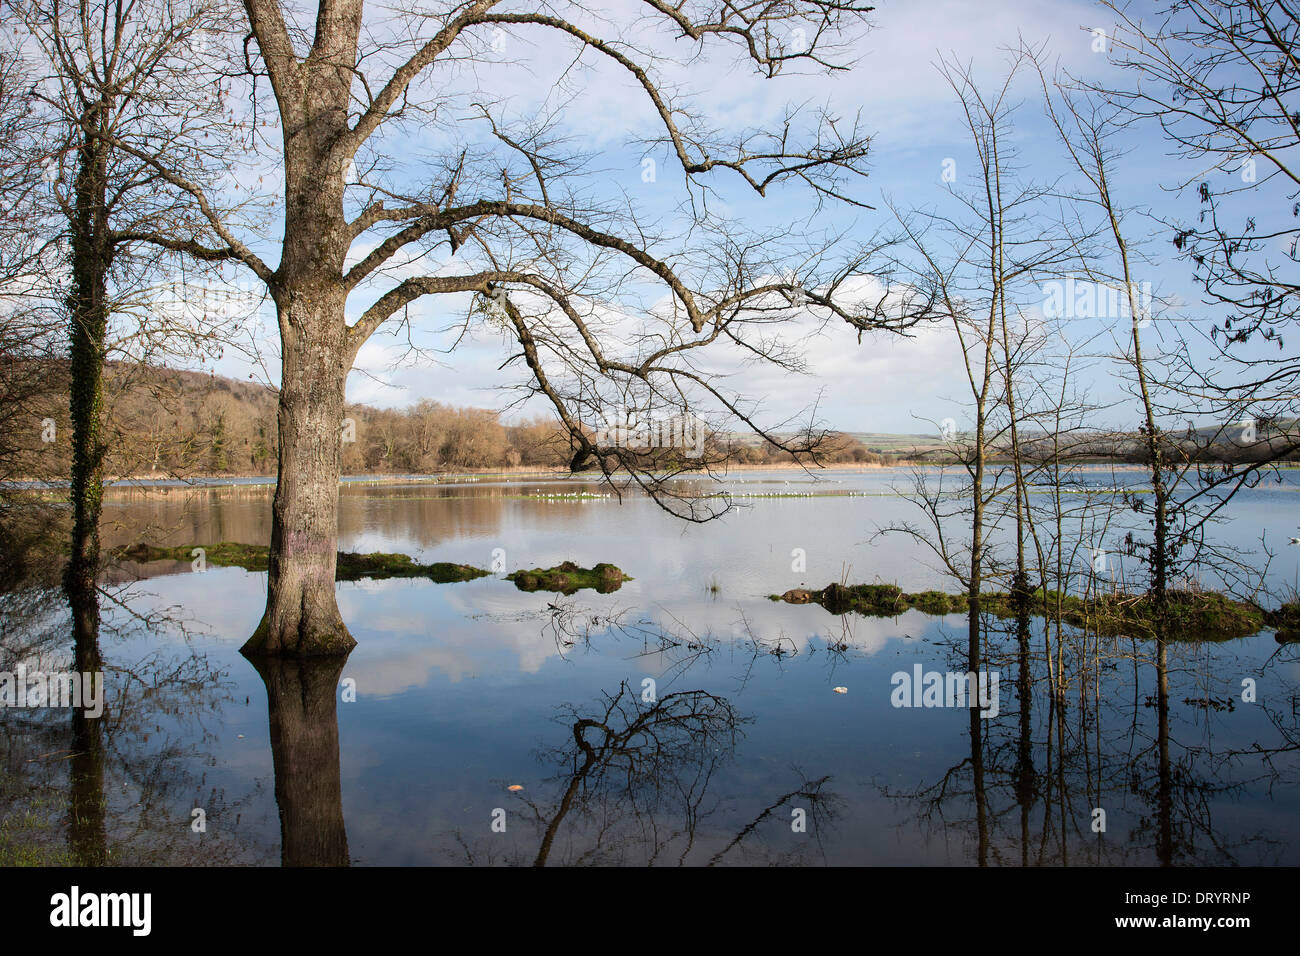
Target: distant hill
886, 443
164, 422
1234, 442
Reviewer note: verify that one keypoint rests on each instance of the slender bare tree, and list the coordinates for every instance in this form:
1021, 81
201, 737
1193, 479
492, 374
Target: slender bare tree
983, 263
1198, 440
1221, 79
117, 85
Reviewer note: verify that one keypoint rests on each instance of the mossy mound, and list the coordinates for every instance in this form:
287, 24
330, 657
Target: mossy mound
874, 600
936, 602
350, 566
1286, 618
568, 578
1206, 615
227, 554
1287, 621
1192, 615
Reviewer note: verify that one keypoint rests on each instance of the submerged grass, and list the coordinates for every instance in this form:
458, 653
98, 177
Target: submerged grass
350, 566
1192, 615
31, 833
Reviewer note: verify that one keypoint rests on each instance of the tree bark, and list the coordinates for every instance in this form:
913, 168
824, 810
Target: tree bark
87, 331
302, 617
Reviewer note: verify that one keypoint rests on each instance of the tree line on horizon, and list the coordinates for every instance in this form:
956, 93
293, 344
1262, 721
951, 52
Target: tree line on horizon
173, 423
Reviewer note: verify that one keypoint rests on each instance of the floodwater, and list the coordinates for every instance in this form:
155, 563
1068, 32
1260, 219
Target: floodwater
684, 719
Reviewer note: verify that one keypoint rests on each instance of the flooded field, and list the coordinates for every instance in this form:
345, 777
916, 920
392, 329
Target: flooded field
683, 718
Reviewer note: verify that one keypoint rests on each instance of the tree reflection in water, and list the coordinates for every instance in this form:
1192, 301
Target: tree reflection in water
87, 835
301, 698
1120, 725
117, 788
633, 787
1117, 724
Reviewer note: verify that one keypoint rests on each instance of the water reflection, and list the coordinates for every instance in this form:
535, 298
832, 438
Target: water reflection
114, 785
301, 699
628, 763
633, 785
1125, 765
87, 833
460, 685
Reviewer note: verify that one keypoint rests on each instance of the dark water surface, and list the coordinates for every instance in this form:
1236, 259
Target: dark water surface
741, 751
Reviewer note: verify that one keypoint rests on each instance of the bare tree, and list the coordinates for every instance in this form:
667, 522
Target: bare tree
119, 90
983, 264
601, 307
1194, 471
1221, 78
30, 336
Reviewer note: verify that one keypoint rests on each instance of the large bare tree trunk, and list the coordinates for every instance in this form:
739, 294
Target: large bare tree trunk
332, 98
302, 616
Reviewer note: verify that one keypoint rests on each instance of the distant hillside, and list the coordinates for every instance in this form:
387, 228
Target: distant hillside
165, 422
884, 443
1233, 443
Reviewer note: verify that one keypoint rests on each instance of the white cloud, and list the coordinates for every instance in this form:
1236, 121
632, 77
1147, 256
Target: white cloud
883, 383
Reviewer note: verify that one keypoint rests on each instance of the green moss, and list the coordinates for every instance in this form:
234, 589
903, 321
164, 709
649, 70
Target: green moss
875, 600
1192, 615
18, 847
250, 557
565, 578
1286, 618
350, 567
936, 602
568, 578
1212, 616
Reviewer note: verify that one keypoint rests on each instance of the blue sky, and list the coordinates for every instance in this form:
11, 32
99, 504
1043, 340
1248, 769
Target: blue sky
883, 384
